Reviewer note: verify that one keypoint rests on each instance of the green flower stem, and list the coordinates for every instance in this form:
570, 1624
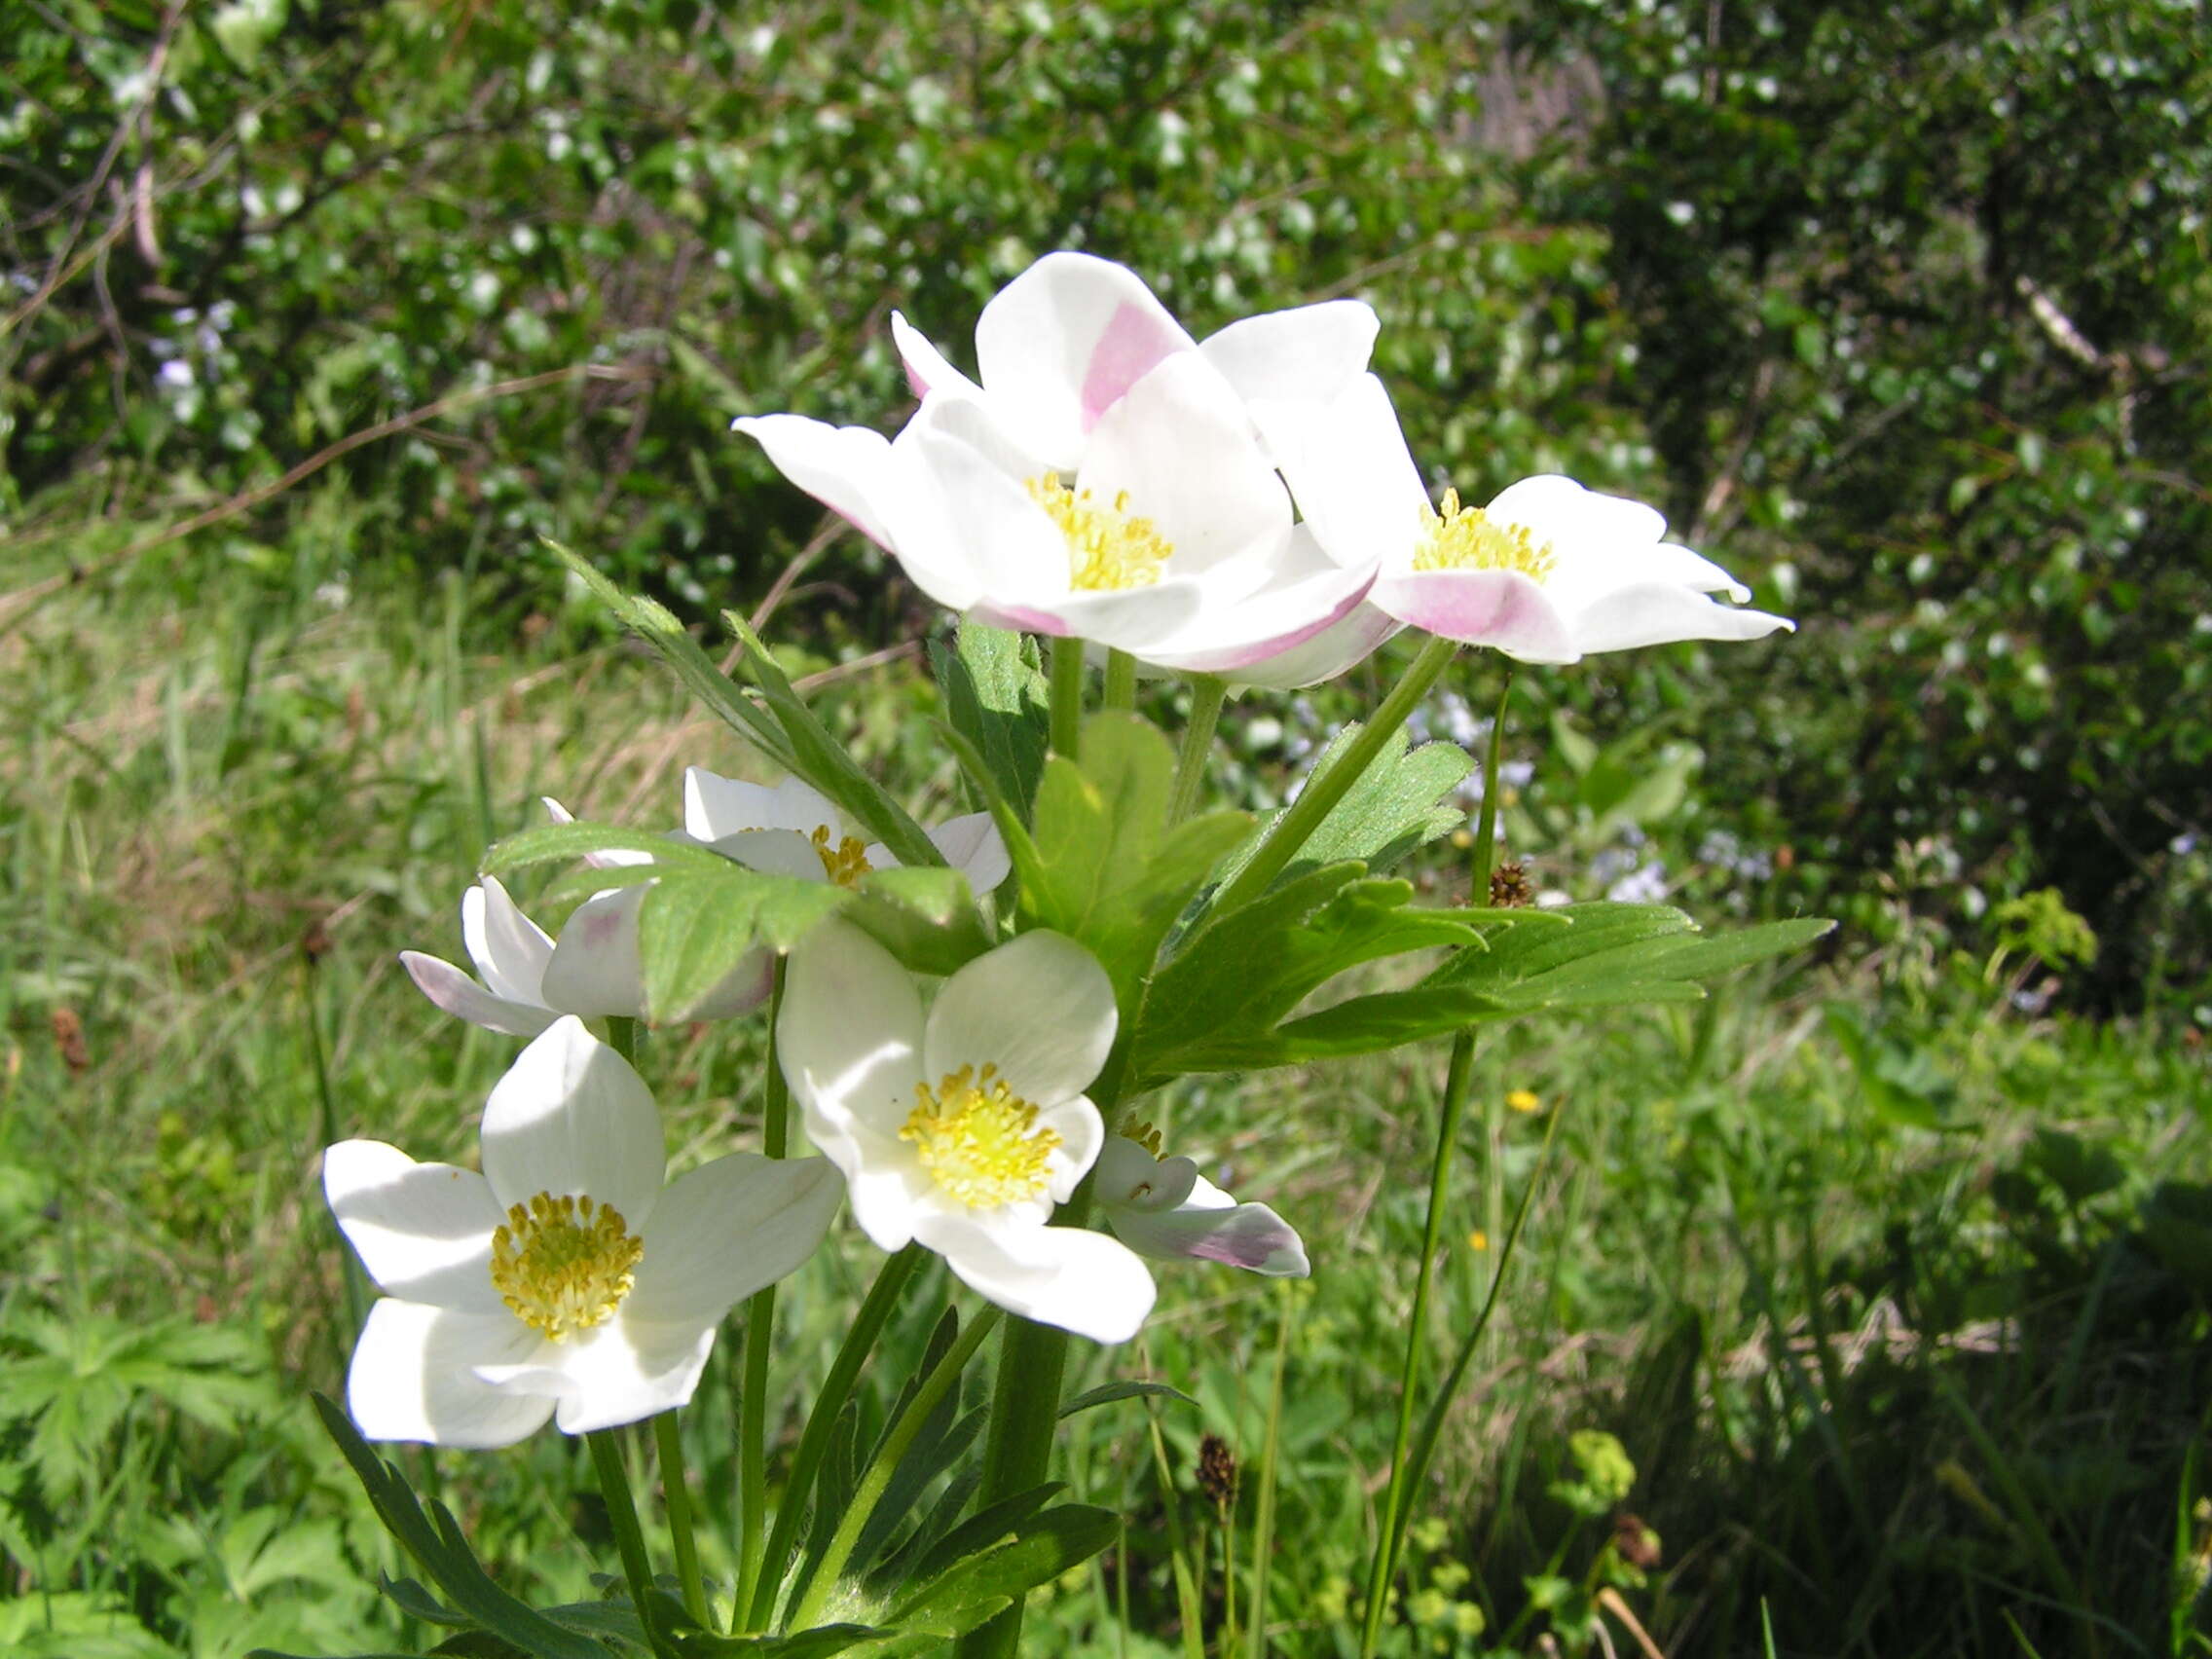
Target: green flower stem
1208, 692
1121, 680
1486, 822
1025, 1410
1321, 794
623, 1037
759, 1338
622, 1516
814, 1439
676, 1493
1067, 696
1383, 1559
885, 1463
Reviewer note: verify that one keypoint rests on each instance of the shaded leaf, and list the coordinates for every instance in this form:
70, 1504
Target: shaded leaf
996, 697
697, 924
1106, 1393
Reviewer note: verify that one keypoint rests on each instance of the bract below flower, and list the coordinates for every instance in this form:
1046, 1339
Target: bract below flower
1548, 572
963, 1127
1162, 1206
1109, 478
565, 1280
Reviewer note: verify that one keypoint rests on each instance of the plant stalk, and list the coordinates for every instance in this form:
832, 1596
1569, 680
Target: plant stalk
1208, 692
759, 1338
1067, 696
1321, 794
676, 1493
622, 1516
1120, 682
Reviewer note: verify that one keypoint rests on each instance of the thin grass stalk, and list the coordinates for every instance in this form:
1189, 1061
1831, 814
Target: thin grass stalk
1264, 1508
1208, 692
759, 1338
622, 1517
676, 1497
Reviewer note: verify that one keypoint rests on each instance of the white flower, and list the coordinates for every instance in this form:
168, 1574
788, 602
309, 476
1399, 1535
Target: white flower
1548, 572
1162, 1206
1111, 478
510, 951
565, 1280
963, 1128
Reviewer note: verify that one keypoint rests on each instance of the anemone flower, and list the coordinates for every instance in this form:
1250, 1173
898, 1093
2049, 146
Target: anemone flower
1547, 571
510, 952
566, 1280
1162, 1206
962, 1125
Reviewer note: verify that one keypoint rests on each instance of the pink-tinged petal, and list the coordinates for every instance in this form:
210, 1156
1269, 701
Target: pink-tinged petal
1129, 619
1502, 609
594, 970
422, 1230
509, 948
570, 1116
1288, 366
846, 468
1080, 1281
1355, 481
1181, 448
464, 998
1656, 615
1039, 1008
1062, 341
1337, 648
1251, 1236
927, 368
972, 845
623, 1371
414, 1377
1304, 596
726, 1230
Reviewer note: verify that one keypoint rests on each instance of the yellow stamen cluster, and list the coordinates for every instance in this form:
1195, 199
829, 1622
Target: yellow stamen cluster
1146, 1137
1467, 538
564, 1265
980, 1140
845, 863
1108, 548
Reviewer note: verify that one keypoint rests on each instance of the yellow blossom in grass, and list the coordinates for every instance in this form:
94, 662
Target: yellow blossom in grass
1523, 1100
1477, 1239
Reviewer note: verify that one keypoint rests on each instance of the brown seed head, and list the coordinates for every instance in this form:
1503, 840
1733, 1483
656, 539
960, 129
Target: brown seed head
1217, 1471
1510, 888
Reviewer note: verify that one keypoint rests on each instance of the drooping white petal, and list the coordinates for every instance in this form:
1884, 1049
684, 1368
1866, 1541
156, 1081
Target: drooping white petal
623, 1371
1039, 1008
1251, 1236
570, 1116
726, 1229
464, 998
509, 948
1180, 447
1063, 341
972, 845
1289, 365
413, 1377
1069, 1276
594, 970
850, 1037
1654, 614
846, 468
422, 1230
928, 369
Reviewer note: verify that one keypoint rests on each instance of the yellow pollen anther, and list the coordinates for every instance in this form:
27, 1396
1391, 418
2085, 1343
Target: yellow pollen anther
845, 863
564, 1265
1107, 548
979, 1139
1467, 538
1146, 1137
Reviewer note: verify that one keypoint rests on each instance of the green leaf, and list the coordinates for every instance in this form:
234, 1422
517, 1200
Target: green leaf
658, 627
819, 1642
1399, 803
1213, 1007
1103, 867
437, 1544
821, 759
996, 697
551, 843
1614, 954
926, 917
1106, 1393
977, 1588
695, 927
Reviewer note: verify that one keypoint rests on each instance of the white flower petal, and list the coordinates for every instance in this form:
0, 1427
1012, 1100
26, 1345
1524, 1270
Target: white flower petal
1082, 1131
594, 970
849, 1038
1651, 614
422, 1230
1290, 365
848, 469
571, 1116
607, 858
1299, 601
1130, 1178
1129, 619
972, 845
1063, 341
1069, 1276
775, 852
1039, 1008
464, 998
927, 368
413, 1377
1251, 1236
1356, 483
623, 1371
715, 807
1503, 608
1181, 447
723, 1231
509, 948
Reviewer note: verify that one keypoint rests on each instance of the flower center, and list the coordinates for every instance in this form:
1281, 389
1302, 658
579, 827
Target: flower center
1107, 546
1467, 538
979, 1139
564, 1265
845, 863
